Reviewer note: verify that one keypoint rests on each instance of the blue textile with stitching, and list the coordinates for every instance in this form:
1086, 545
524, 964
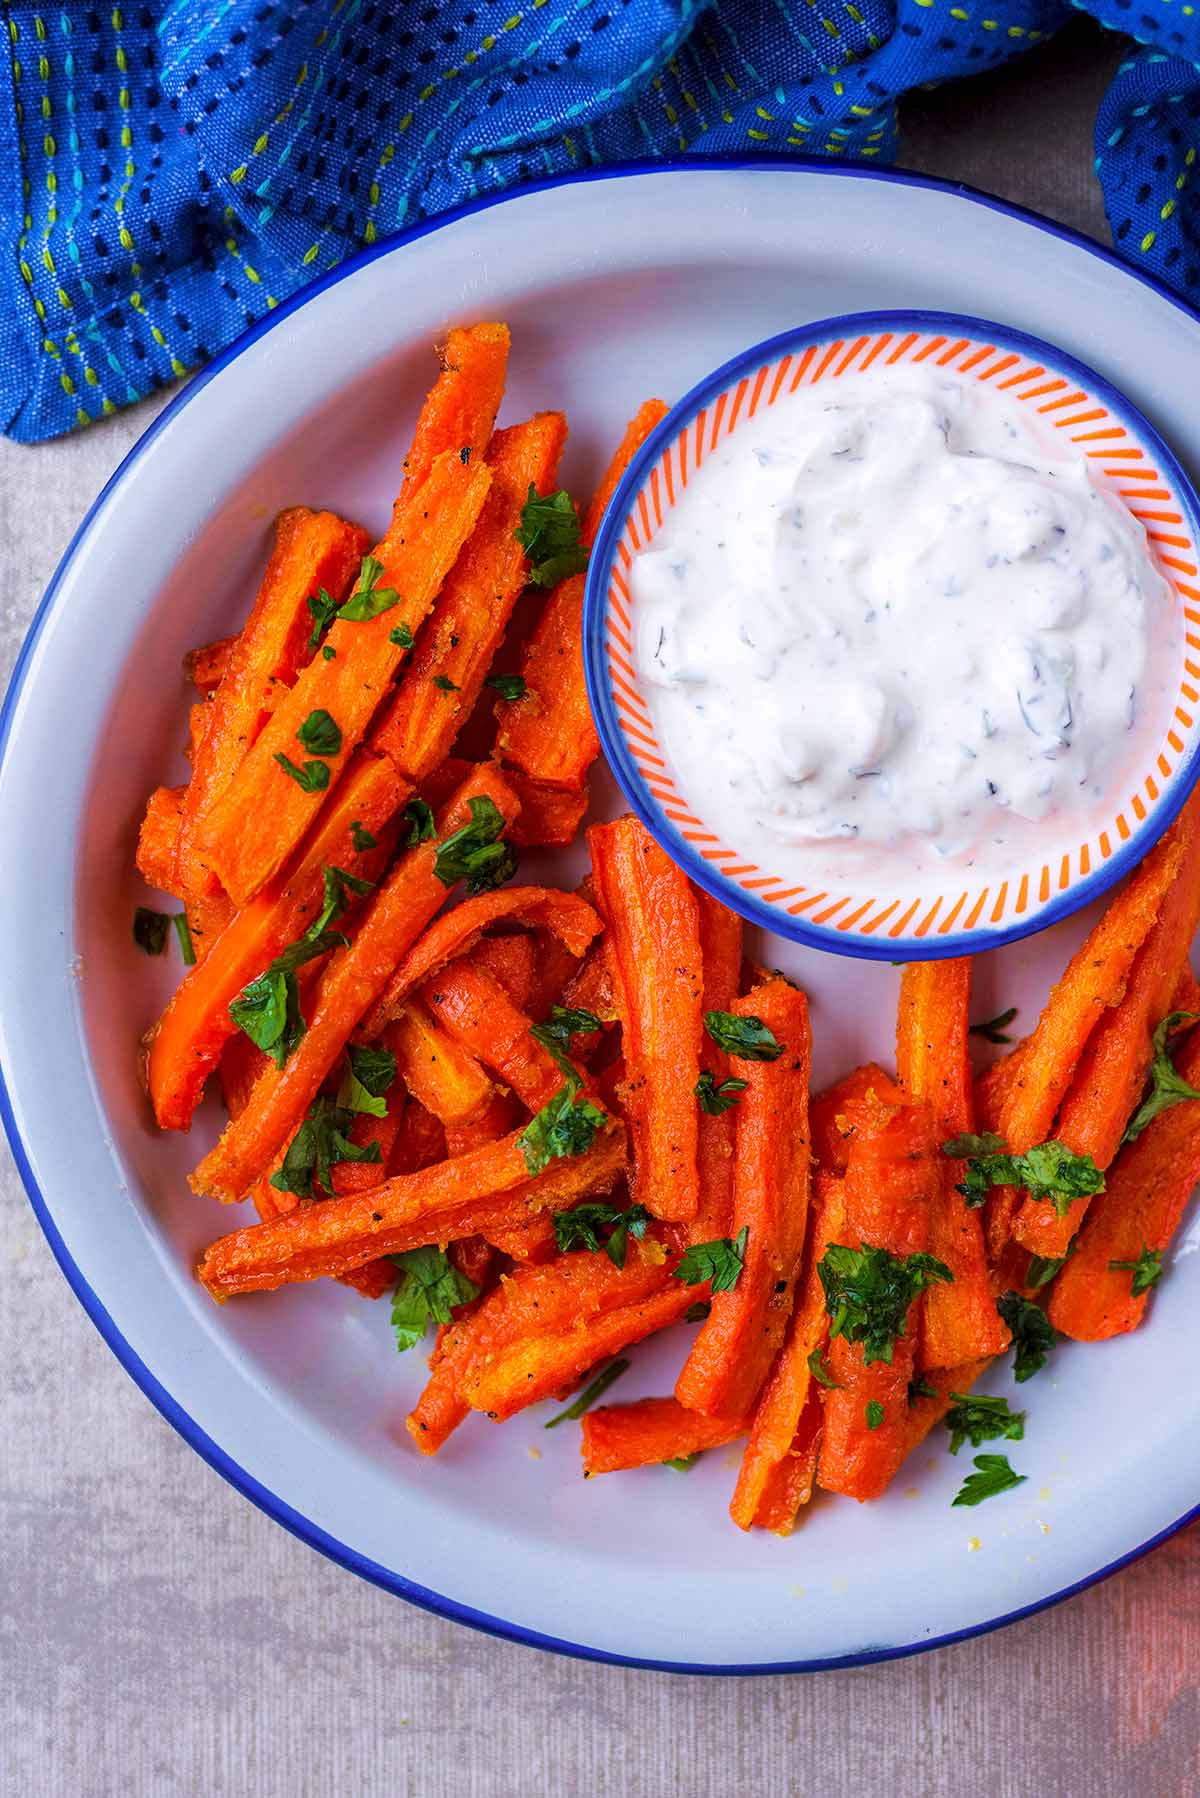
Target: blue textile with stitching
168, 173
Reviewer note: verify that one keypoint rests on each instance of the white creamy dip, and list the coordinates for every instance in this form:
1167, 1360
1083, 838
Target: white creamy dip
895, 609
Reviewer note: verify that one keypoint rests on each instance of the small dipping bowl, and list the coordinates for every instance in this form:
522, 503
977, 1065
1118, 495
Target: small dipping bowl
899, 912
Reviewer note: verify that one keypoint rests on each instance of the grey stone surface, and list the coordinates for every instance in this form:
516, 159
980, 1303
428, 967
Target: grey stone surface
158, 1635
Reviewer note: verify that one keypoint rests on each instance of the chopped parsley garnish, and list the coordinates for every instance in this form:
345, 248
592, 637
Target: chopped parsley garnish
267, 1010
1147, 1270
428, 1290
477, 854
1042, 1269
337, 884
719, 1262
555, 1035
1033, 1335
419, 818
549, 535
993, 1475
716, 1099
184, 933
369, 1073
329, 652
993, 1030
566, 1125
696, 1314
1050, 1171
920, 1388
445, 684
874, 1414
977, 1418
1164, 1086
320, 1142
868, 1294
313, 777
150, 930
683, 1463
368, 599
748, 1039
590, 1394
361, 837
322, 610
580, 1228
401, 636
320, 734
509, 686
820, 1373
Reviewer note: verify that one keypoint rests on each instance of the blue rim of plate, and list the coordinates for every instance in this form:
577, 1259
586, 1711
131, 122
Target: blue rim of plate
599, 686
180, 1420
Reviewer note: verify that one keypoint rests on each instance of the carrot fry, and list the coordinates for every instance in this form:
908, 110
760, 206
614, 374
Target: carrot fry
732, 1354
361, 1176
548, 733
1038, 1073
312, 550
206, 666
461, 407
790, 1485
831, 1113
157, 838
241, 1063
721, 961
512, 961
924, 1412
654, 932
960, 1320
532, 1244
420, 1142
570, 919
550, 819
649, 1432
496, 1119
557, 962
890, 1177
439, 1205
543, 1366
590, 988
466, 627
186, 1043
265, 810
475, 1259
477, 1014
436, 1068
353, 979
1148, 1190
1112, 1069
789, 1387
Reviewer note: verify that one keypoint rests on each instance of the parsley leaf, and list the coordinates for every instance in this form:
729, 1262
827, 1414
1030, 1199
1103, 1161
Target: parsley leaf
978, 1418
329, 652
566, 1125
1165, 1087
1042, 1269
1033, 1335
748, 1039
320, 734
868, 1294
721, 1262
994, 1475
549, 535
920, 1388
419, 818
401, 636
1147, 1270
150, 930
184, 933
446, 685
683, 1463
590, 1394
322, 610
716, 1099
1048, 1171
555, 1035
580, 1227
337, 884
820, 1373
267, 1009
313, 777
429, 1288
993, 1030
369, 1073
874, 1414
696, 1314
361, 837
477, 854
368, 599
509, 686
320, 1142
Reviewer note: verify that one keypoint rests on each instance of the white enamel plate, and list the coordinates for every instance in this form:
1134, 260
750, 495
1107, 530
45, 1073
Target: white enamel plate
615, 288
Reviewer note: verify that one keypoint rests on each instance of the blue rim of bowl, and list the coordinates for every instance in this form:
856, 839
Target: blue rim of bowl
600, 694
179, 1419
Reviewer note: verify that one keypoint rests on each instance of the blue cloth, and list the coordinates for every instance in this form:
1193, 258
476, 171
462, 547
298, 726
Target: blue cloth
168, 173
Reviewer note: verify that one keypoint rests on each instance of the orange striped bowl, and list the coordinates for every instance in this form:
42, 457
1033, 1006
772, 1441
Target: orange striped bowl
898, 915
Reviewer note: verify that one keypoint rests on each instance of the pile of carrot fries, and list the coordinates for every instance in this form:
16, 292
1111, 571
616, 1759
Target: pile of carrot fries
554, 1123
